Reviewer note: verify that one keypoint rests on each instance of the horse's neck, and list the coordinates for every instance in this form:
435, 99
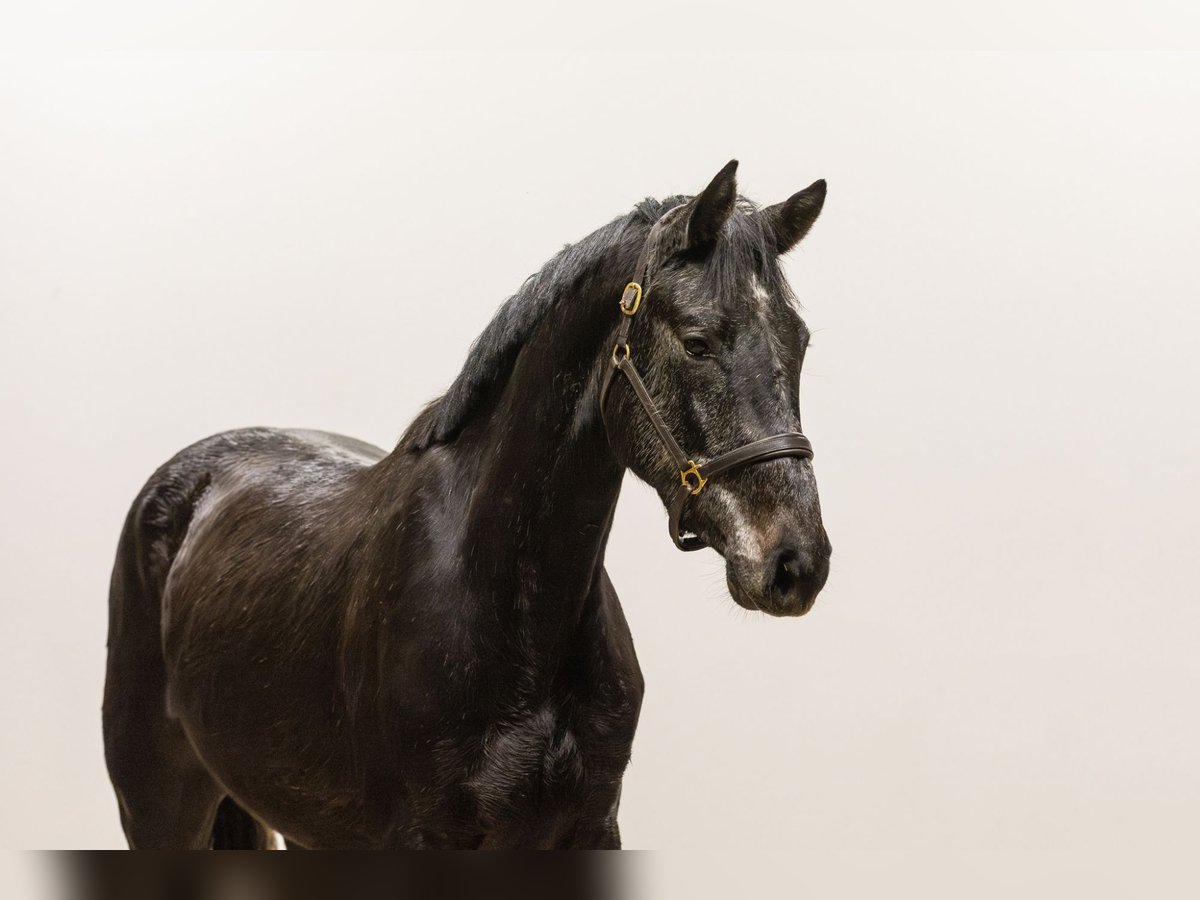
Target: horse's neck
531, 482
545, 481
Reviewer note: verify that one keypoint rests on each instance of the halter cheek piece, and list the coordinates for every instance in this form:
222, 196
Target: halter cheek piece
693, 476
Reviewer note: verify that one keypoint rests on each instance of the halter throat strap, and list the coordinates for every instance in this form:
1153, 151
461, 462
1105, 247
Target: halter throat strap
693, 476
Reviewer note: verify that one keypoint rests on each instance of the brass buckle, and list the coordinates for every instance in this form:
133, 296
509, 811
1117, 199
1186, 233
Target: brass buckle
692, 471
630, 308
616, 348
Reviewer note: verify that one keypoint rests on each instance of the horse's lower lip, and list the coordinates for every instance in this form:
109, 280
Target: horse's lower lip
791, 610
796, 611
748, 601
740, 597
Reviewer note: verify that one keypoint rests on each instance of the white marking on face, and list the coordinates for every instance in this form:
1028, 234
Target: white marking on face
744, 539
762, 306
759, 292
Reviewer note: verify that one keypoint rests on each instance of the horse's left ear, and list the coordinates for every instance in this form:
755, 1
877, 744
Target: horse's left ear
791, 220
711, 207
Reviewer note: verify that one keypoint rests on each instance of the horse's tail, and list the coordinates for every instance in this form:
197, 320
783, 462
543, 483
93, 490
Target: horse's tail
236, 829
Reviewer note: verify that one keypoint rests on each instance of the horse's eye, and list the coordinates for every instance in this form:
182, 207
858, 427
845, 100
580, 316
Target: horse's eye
697, 347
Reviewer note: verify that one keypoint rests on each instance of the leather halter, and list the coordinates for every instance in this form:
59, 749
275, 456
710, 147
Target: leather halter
693, 476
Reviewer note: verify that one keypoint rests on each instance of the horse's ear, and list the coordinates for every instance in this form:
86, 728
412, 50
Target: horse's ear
790, 220
711, 207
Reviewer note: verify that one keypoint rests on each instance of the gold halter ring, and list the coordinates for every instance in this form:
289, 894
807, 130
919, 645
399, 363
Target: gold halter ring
687, 475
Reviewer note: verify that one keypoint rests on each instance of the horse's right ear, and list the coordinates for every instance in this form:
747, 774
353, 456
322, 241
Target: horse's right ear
711, 207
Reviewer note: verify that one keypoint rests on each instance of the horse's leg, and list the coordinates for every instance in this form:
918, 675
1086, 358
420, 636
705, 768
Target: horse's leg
166, 796
236, 829
603, 835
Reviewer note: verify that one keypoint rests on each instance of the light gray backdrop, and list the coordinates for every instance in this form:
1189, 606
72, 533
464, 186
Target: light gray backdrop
1001, 675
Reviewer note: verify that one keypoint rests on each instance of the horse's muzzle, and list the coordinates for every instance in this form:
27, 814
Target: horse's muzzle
783, 583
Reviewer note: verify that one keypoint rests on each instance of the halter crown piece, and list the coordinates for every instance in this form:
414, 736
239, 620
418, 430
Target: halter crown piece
693, 476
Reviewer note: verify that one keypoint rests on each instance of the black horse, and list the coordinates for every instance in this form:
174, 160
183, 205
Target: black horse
422, 648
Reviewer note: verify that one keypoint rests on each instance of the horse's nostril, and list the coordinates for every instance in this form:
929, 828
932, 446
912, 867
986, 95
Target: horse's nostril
792, 577
787, 572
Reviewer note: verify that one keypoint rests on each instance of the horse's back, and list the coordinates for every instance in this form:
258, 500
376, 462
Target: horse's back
163, 511
232, 513
253, 464
287, 452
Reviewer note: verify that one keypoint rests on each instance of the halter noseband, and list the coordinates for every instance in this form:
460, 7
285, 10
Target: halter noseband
693, 476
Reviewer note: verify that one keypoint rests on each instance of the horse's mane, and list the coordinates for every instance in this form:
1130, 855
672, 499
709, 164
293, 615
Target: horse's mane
494, 352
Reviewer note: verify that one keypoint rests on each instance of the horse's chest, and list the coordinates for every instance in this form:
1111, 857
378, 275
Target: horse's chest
545, 772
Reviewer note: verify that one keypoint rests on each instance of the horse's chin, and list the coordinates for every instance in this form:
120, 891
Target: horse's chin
740, 597
758, 603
